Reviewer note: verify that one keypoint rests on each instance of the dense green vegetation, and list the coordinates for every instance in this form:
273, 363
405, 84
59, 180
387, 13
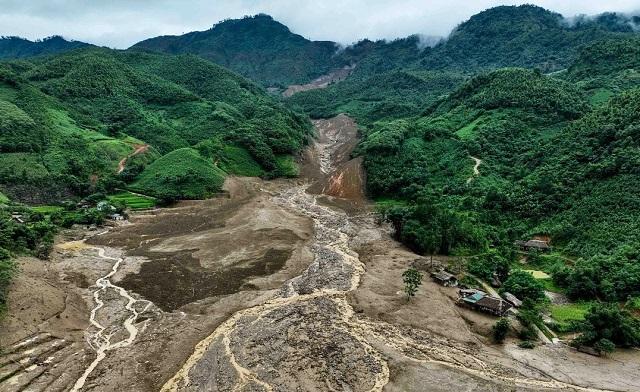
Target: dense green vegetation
181, 174
371, 97
257, 47
606, 326
554, 162
526, 36
16, 47
68, 120
399, 79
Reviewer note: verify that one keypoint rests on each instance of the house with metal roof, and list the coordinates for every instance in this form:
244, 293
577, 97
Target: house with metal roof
483, 302
444, 278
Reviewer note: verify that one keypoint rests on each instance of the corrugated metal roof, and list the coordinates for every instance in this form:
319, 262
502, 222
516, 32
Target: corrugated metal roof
473, 298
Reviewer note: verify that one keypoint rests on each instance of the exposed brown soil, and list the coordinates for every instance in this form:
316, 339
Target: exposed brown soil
321, 82
138, 149
330, 166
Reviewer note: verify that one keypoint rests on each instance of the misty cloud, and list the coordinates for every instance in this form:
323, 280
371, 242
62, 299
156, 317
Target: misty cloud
121, 23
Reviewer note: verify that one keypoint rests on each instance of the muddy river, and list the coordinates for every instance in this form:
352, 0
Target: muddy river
287, 285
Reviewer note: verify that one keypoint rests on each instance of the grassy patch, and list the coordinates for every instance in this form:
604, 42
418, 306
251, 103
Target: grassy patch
600, 96
549, 285
467, 131
564, 314
133, 201
47, 209
3, 199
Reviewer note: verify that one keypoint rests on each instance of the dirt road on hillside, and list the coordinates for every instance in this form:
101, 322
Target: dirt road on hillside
276, 286
139, 149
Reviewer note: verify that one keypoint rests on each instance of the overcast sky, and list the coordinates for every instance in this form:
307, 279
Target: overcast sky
121, 23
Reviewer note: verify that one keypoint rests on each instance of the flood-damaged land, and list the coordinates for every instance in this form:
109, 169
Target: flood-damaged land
284, 285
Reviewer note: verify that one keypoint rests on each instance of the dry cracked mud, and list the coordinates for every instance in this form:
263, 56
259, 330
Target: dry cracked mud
288, 285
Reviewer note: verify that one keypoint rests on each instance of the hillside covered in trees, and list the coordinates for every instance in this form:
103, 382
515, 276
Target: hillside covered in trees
257, 47
68, 120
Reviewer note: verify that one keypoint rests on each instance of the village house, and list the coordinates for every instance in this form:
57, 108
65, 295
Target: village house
444, 278
481, 301
539, 245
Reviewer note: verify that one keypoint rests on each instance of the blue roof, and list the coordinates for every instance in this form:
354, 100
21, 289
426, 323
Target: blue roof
474, 298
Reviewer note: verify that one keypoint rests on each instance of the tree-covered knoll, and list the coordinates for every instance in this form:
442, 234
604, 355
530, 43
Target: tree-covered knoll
181, 174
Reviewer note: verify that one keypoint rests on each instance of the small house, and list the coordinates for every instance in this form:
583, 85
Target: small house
115, 217
512, 299
444, 278
539, 245
17, 218
483, 302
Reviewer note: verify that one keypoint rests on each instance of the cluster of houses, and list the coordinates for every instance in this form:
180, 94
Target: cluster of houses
477, 299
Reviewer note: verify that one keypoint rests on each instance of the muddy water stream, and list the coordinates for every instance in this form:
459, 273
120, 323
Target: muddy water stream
100, 342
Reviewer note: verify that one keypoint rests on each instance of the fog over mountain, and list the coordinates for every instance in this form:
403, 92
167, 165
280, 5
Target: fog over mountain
121, 23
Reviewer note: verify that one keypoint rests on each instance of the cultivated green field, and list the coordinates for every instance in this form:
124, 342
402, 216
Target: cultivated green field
133, 201
564, 314
47, 209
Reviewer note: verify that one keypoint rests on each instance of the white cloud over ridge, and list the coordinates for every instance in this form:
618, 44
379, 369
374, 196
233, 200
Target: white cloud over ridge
121, 23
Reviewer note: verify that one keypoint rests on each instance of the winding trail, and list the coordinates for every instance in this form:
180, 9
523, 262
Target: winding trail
100, 342
476, 166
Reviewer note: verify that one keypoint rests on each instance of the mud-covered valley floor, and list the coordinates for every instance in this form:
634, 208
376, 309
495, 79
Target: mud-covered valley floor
287, 285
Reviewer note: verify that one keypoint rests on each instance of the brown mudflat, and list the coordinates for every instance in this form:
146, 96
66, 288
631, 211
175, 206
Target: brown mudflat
287, 285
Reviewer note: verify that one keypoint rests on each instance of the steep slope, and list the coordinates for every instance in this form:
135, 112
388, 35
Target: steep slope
45, 154
607, 68
125, 100
16, 47
501, 118
508, 36
257, 47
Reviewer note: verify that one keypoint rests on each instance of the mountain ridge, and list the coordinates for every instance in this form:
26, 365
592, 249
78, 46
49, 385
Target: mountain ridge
18, 47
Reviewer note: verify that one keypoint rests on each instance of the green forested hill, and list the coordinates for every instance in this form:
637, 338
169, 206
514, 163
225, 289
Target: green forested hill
607, 68
507, 36
16, 47
524, 36
257, 47
552, 163
69, 119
